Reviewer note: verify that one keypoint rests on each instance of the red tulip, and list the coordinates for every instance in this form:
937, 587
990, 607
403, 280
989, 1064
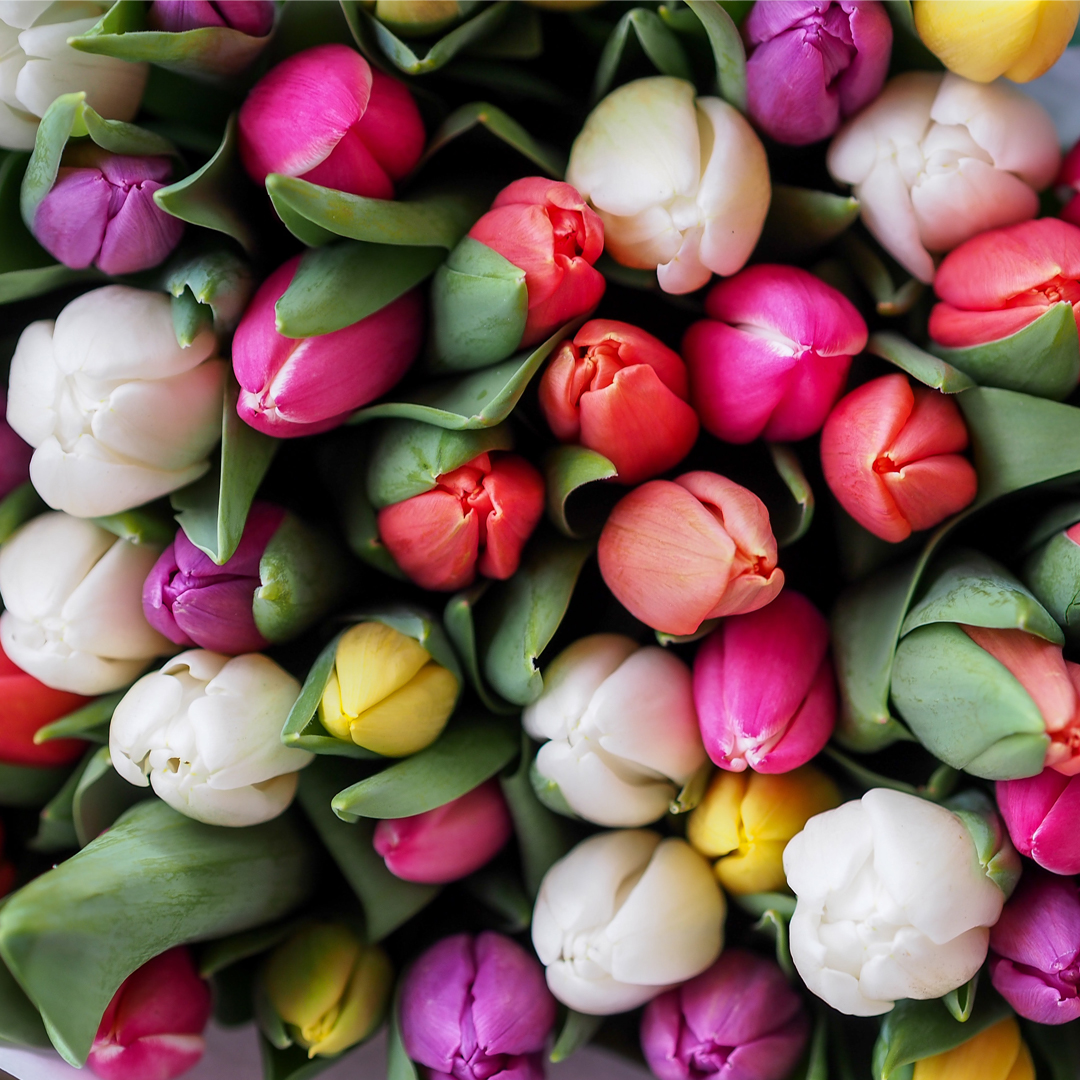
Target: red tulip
621, 392
890, 453
1070, 175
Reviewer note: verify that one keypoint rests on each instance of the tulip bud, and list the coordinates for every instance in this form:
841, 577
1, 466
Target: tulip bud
204, 732
475, 520
328, 986
326, 116
773, 356
476, 1007
386, 693
1070, 177
890, 454
745, 821
740, 1018
153, 1027
449, 842
678, 553
416, 18
254, 17
73, 616
1041, 813
117, 412
619, 391
680, 183
812, 64
624, 734
1052, 572
301, 386
764, 687
14, 454
936, 159
609, 945
996, 1053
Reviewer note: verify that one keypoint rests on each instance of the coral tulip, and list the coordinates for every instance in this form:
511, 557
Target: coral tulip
1040, 813
254, 17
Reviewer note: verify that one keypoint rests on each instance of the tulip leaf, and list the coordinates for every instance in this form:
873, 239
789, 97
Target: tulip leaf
791, 521
101, 796
1061, 517
706, 628
1053, 572
567, 471
189, 317
867, 778
458, 620
154, 880
870, 269
291, 1062
658, 43
471, 750
961, 1001
501, 893
817, 1060
90, 722
30, 785
728, 50
577, 1031
800, 220
757, 904
1058, 1045
398, 1065
693, 791
143, 525
521, 36
56, 826
18, 507
930, 370
218, 281
549, 794
272, 1033
20, 1022
217, 955
774, 924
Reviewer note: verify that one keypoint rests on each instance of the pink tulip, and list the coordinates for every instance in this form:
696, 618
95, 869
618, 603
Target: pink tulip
326, 116
545, 228
14, 453
1002, 280
1041, 813
678, 553
890, 453
301, 386
152, 1029
773, 356
1070, 176
255, 17
449, 842
623, 393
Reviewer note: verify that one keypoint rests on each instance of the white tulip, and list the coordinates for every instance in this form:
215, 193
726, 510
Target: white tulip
892, 903
682, 186
73, 598
117, 411
623, 729
937, 159
37, 65
205, 733
624, 917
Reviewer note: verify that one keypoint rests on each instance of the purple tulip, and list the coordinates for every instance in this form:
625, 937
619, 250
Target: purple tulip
1035, 949
477, 1009
255, 17
813, 63
14, 454
739, 1020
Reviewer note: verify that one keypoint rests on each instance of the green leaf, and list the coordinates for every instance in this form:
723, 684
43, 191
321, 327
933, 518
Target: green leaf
1058, 1045
216, 279
56, 826
30, 785
549, 794
693, 791
292, 1062
20, 1022
817, 1063
521, 36
658, 43
889, 298
961, 1001
577, 1031
757, 904
459, 622
398, 1065
101, 796
89, 722
568, 470
190, 318
1053, 573
774, 925
501, 893
727, 50
17, 508
143, 525
790, 522
800, 220
866, 778
217, 955
154, 880
927, 368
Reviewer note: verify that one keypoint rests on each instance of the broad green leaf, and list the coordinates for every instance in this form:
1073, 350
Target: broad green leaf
459, 622
728, 51
577, 1031
801, 221
658, 43
398, 1065
17, 508
927, 368
791, 520
217, 955
890, 299
512, 81
20, 1022
90, 722
217, 280
30, 785
774, 924
101, 796
572, 469
56, 826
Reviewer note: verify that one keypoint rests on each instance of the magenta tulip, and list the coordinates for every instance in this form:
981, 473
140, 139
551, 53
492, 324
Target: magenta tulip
773, 356
254, 17
14, 453
1041, 813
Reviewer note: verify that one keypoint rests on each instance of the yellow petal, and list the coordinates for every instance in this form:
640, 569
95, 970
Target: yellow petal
1023, 1067
993, 1054
374, 660
776, 807
307, 974
410, 718
756, 868
330, 715
713, 828
1052, 35
362, 1005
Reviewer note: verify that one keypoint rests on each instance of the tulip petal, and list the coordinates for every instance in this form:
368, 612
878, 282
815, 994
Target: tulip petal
512, 1012
812, 389
392, 128
955, 328
434, 997
75, 238
889, 213
810, 728
141, 235
1029, 994
351, 167
918, 967
927, 492
1055, 843
410, 718
516, 491
33, 384
1025, 804
432, 539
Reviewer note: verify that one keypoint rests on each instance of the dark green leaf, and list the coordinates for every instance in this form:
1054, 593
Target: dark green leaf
458, 619
56, 827
216, 280
358, 520
631, 277
1058, 1045
927, 368
658, 43
791, 521
875, 277
190, 318
501, 893
774, 924
89, 722
217, 955
577, 1031
727, 50
567, 470
801, 221
961, 1001
30, 785
520, 37
272, 1030
101, 796
17, 508
20, 1022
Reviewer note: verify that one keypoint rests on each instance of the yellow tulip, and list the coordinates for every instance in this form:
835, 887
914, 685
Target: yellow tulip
997, 1053
982, 39
746, 819
386, 693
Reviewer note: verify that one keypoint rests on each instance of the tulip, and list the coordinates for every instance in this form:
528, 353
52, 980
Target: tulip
624, 917
328, 986
1070, 177
37, 65
1041, 813
984, 39
890, 452
893, 901
622, 728
774, 355
14, 454
386, 693
101, 210
937, 159
475, 520
745, 821
204, 732
153, 1027
678, 553
739, 1020
117, 412
681, 184
254, 17
996, 1053
764, 687
475, 1008
73, 616
301, 386
326, 116
812, 64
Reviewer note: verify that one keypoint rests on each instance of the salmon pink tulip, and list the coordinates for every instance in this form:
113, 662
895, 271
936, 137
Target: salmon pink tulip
1041, 813
891, 456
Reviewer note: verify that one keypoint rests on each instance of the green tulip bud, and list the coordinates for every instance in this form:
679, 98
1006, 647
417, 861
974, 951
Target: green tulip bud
1052, 570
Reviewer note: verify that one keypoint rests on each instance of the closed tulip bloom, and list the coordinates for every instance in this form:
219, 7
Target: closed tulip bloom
1070, 177
812, 64
764, 687
301, 386
254, 17
773, 356
117, 412
14, 454
996, 1053
936, 159
680, 183
676, 553
619, 391
153, 1027
609, 945
622, 728
739, 1020
1041, 814
890, 452
73, 614
326, 116
448, 842
473, 1008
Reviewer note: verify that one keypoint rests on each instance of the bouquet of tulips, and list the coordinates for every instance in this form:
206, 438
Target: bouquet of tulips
535, 523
